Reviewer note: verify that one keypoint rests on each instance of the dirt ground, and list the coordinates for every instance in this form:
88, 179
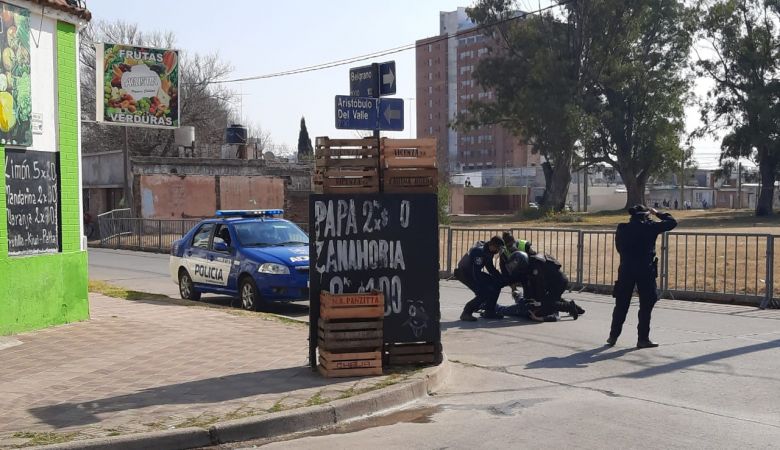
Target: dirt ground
717, 220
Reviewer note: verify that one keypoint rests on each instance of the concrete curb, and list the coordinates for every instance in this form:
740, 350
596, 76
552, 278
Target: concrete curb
172, 439
276, 424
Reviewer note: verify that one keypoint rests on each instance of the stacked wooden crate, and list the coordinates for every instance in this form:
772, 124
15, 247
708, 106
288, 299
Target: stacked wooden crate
414, 353
350, 335
346, 166
409, 166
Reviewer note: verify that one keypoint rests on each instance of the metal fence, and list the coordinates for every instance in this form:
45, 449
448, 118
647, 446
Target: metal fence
692, 265
154, 235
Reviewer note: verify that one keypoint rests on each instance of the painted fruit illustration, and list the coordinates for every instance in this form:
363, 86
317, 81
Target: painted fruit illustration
7, 117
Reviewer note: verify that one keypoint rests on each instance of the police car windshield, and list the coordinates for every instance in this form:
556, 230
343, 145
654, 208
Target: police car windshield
269, 234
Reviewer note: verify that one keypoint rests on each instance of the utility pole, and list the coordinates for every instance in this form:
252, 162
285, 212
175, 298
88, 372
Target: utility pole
579, 191
682, 184
127, 171
739, 186
585, 189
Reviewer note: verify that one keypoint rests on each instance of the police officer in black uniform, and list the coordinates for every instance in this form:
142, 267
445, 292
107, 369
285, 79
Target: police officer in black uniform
543, 283
486, 286
635, 242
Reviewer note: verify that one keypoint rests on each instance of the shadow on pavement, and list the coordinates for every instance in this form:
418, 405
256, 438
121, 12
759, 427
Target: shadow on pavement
578, 360
487, 323
211, 390
703, 359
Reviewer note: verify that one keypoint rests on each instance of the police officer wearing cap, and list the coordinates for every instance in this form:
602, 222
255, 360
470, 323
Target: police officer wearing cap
486, 286
635, 242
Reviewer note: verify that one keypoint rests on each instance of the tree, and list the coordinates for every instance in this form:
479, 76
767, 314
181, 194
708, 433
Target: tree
743, 61
636, 96
535, 71
203, 104
305, 149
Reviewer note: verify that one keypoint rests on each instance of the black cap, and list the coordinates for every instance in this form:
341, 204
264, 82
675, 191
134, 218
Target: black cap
637, 210
497, 241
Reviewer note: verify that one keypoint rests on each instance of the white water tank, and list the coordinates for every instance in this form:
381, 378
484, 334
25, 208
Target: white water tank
184, 136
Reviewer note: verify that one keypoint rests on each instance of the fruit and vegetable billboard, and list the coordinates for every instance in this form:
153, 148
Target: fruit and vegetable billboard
15, 83
140, 86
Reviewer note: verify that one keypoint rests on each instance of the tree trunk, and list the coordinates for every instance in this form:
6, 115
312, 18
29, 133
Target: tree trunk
635, 189
557, 179
766, 196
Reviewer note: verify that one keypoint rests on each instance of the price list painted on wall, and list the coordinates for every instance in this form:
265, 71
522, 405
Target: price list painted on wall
32, 201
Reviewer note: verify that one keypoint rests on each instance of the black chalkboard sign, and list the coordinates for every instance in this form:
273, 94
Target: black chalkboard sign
32, 194
388, 242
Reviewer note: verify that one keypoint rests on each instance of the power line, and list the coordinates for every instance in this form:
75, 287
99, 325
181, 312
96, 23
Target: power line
391, 51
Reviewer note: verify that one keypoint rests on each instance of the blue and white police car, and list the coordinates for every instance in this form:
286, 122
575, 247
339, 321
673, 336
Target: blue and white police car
252, 255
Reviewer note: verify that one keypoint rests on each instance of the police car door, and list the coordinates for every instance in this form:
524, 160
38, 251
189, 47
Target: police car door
196, 256
220, 257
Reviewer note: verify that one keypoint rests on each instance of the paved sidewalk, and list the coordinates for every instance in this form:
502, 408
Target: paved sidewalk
145, 365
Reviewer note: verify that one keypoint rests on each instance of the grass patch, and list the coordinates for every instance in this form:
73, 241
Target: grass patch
201, 421
44, 438
110, 290
317, 399
277, 407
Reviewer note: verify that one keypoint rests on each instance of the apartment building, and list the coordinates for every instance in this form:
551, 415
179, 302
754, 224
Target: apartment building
446, 86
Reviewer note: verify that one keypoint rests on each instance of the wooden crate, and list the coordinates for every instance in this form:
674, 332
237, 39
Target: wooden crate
410, 181
350, 335
408, 153
369, 305
346, 181
346, 153
334, 365
413, 353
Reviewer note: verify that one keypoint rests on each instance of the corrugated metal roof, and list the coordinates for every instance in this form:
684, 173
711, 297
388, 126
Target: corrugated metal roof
64, 5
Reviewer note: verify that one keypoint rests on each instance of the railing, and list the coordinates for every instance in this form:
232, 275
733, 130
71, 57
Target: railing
692, 265
155, 235
713, 266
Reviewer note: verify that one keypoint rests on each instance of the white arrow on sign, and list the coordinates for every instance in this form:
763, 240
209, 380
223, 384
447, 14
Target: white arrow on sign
388, 78
392, 114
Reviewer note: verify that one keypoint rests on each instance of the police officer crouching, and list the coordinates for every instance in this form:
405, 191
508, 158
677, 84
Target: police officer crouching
635, 242
543, 282
486, 286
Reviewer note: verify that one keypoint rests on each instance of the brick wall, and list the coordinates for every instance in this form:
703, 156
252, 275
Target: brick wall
67, 92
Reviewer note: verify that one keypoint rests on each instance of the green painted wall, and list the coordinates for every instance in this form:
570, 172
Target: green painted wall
44, 290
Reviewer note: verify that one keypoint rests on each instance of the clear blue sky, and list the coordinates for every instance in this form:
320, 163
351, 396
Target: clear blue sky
262, 37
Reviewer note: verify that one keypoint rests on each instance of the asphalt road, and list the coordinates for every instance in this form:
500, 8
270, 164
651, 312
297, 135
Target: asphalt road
713, 383
148, 272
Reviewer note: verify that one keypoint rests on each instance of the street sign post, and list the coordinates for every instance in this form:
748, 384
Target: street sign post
366, 113
376, 80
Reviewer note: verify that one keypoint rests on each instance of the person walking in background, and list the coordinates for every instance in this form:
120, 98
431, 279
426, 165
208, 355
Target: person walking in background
635, 242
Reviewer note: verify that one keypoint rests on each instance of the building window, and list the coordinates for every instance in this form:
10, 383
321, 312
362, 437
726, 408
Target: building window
430, 116
430, 76
430, 130
430, 89
430, 103
430, 62
430, 48
482, 51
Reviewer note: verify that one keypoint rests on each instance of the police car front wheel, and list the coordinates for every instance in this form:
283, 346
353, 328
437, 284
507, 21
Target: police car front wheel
187, 287
249, 295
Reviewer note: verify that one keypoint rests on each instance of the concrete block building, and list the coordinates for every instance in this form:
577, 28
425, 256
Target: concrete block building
43, 259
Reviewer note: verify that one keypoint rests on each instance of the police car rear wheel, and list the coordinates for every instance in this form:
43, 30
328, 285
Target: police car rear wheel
248, 292
187, 287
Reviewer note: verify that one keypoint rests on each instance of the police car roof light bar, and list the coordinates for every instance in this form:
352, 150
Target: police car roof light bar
249, 212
